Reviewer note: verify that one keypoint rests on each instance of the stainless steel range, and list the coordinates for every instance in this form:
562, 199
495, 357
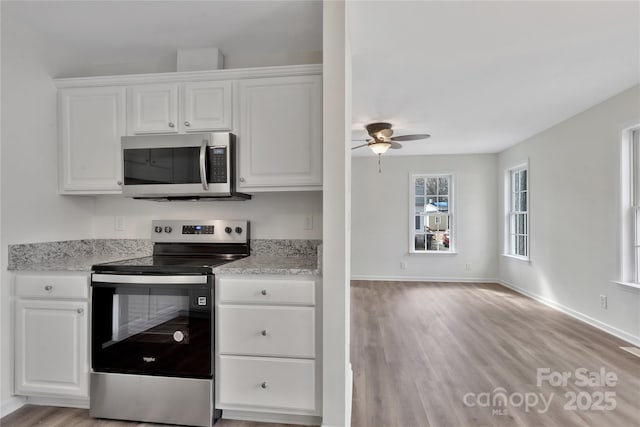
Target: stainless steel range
153, 325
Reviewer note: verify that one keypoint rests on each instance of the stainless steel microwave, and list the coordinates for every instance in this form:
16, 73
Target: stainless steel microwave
180, 167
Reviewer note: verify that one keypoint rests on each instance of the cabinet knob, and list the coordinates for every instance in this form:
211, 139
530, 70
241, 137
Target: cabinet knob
172, 125
119, 182
187, 124
263, 333
263, 292
80, 310
241, 179
48, 288
264, 385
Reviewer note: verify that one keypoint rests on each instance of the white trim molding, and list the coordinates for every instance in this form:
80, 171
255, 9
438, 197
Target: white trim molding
625, 336
424, 279
189, 76
10, 405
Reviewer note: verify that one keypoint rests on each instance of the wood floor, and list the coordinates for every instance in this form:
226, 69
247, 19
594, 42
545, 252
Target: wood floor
418, 348
419, 351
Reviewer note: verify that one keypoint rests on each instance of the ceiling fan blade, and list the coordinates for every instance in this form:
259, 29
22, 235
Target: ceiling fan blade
410, 137
359, 146
395, 145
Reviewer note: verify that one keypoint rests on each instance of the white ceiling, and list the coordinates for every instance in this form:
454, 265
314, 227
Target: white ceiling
478, 76
85, 37
482, 76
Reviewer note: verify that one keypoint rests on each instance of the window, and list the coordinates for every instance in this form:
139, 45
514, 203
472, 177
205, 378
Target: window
518, 213
431, 213
630, 218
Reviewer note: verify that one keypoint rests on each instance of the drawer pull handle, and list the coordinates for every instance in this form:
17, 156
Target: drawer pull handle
48, 288
263, 292
263, 333
80, 310
263, 385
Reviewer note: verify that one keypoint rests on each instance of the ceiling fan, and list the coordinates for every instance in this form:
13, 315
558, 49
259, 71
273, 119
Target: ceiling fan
382, 139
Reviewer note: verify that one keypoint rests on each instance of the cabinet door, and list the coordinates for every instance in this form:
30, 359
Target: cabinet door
206, 106
153, 109
92, 120
51, 348
280, 139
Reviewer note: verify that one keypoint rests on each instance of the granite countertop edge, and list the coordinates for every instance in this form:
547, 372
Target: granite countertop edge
268, 256
253, 264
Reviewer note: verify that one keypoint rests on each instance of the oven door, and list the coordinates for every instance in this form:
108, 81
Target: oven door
152, 325
198, 164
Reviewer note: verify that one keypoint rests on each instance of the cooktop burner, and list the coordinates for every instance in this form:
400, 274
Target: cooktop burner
187, 247
163, 264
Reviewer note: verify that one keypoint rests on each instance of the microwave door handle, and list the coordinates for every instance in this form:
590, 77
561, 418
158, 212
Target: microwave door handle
203, 166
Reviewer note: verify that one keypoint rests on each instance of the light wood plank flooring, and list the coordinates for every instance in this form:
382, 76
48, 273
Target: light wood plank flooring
418, 348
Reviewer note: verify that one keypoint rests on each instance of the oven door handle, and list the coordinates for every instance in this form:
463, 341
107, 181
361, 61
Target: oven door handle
148, 279
203, 166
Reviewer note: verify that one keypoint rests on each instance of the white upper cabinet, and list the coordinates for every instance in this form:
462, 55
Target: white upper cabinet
178, 108
153, 109
280, 137
206, 106
92, 120
275, 112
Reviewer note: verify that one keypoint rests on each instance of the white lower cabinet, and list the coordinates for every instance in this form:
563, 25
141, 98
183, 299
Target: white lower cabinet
288, 384
268, 347
51, 336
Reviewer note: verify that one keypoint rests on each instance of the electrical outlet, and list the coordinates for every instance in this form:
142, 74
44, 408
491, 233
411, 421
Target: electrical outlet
403, 265
120, 223
603, 302
308, 222
467, 267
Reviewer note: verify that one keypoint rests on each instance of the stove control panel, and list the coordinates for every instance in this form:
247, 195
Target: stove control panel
205, 231
198, 229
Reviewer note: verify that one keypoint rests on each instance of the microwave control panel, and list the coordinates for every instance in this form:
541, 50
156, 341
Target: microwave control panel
218, 163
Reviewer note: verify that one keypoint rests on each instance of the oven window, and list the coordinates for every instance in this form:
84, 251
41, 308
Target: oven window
152, 330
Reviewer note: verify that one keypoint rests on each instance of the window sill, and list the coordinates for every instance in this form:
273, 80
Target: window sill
627, 284
433, 253
518, 258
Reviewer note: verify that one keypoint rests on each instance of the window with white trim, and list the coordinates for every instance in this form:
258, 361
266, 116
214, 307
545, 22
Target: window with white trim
431, 213
518, 213
635, 202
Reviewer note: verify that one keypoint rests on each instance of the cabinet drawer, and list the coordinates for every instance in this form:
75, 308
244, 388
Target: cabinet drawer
35, 286
266, 331
267, 291
268, 382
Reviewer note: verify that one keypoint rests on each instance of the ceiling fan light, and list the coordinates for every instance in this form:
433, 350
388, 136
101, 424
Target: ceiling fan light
380, 147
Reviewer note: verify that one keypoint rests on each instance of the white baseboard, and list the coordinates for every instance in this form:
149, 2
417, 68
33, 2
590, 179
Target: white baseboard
625, 336
349, 394
82, 403
12, 404
425, 279
230, 414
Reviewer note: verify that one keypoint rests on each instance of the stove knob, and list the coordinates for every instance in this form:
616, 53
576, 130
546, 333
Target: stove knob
167, 229
239, 230
228, 230
158, 229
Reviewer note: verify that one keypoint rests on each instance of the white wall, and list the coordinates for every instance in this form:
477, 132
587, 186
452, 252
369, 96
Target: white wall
574, 212
380, 223
336, 131
31, 209
271, 215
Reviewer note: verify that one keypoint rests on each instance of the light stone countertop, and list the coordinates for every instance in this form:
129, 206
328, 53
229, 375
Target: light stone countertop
284, 257
271, 264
